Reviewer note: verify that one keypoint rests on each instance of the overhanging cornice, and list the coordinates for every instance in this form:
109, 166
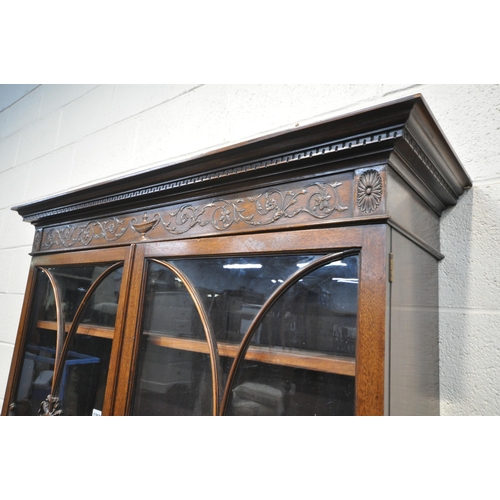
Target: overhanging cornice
400, 128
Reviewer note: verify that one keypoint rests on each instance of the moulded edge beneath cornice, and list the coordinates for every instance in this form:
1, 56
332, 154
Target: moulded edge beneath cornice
405, 126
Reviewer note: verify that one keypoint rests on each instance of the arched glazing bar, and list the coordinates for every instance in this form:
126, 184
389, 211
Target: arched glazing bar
51, 405
59, 317
286, 285
207, 327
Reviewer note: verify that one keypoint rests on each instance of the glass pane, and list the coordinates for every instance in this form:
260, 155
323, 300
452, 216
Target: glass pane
85, 372
174, 374
317, 314
38, 364
235, 288
73, 283
271, 390
168, 307
172, 381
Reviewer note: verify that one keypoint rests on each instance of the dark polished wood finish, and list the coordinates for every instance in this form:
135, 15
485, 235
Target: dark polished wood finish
373, 182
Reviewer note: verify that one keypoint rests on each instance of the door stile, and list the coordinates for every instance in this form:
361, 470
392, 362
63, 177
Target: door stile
16, 363
132, 319
112, 380
370, 344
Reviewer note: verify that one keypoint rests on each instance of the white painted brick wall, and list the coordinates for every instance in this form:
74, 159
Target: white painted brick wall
56, 96
60, 137
104, 154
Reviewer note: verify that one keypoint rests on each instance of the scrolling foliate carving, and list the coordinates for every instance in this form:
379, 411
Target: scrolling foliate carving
317, 200
320, 202
259, 210
83, 234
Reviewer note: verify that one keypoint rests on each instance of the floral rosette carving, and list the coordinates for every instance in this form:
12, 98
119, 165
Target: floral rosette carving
86, 235
276, 204
369, 191
227, 213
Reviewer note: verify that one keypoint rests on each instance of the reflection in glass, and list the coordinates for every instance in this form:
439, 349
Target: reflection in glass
85, 368
271, 390
168, 307
316, 316
235, 288
318, 313
171, 381
73, 283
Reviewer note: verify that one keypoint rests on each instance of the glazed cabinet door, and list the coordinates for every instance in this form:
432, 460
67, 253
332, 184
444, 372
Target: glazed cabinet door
70, 334
231, 326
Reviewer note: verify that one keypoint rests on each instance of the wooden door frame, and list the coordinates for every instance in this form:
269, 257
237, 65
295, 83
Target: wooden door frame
371, 240
85, 257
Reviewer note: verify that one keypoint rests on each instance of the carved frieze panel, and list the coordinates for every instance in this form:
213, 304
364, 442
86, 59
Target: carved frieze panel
309, 202
306, 203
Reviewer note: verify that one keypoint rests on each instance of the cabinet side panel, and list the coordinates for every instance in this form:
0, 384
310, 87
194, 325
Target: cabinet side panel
410, 212
414, 351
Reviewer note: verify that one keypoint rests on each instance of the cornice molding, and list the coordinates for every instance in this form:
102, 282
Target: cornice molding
323, 150
355, 140
428, 163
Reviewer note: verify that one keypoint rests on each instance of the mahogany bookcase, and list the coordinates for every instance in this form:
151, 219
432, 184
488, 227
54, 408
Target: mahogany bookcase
294, 274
